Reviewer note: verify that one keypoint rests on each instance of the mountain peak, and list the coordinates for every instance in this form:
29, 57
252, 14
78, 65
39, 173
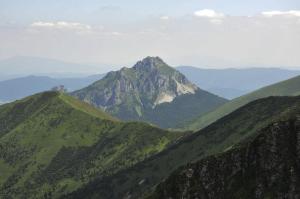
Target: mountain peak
154, 60
137, 93
148, 83
150, 63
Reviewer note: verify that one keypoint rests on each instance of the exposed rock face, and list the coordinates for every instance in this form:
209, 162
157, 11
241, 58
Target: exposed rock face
148, 81
266, 167
131, 93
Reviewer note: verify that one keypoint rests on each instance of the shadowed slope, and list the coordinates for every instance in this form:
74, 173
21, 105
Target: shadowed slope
268, 166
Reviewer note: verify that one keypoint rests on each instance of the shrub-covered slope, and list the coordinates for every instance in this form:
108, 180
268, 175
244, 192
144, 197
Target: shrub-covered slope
266, 167
220, 136
51, 144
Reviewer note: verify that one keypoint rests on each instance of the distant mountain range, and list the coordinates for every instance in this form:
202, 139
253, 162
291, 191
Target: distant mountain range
288, 87
232, 83
21, 66
226, 83
18, 88
150, 91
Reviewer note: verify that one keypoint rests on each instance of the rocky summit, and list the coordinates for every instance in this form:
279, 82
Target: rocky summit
157, 75
148, 90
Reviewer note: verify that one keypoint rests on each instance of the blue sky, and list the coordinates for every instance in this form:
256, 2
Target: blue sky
203, 33
121, 11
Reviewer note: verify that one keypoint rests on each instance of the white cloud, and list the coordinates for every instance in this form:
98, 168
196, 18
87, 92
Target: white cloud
116, 34
164, 17
207, 13
216, 21
42, 24
205, 39
61, 25
214, 17
291, 13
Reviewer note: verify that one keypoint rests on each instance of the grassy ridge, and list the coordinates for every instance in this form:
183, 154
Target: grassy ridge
286, 88
52, 144
84, 107
238, 126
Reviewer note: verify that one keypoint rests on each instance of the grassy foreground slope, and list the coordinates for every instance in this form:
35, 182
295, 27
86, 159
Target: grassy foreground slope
240, 125
52, 144
290, 87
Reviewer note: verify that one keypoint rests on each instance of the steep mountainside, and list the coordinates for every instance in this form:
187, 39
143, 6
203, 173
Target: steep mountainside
51, 144
289, 87
265, 167
150, 91
227, 82
220, 136
18, 88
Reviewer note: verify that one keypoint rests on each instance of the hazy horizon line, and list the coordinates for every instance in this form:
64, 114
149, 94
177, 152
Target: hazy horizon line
115, 67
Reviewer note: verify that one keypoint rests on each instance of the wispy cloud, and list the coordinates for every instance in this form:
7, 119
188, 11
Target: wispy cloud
116, 33
206, 38
293, 13
61, 25
213, 16
164, 17
208, 13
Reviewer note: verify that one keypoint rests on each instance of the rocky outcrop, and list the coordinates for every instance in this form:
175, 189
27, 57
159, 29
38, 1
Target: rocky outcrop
267, 166
147, 81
